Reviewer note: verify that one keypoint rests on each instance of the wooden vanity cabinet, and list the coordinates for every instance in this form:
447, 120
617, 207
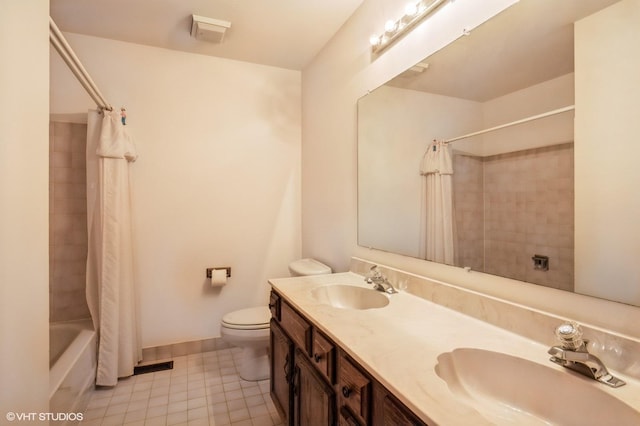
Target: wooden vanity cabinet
314, 382
302, 369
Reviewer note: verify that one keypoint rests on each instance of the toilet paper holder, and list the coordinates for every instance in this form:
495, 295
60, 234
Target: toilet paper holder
210, 271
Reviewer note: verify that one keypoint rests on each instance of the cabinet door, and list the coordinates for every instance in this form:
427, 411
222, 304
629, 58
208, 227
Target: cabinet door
313, 398
281, 371
274, 305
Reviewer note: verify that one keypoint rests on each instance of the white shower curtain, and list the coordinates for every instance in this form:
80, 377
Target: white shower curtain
111, 291
439, 220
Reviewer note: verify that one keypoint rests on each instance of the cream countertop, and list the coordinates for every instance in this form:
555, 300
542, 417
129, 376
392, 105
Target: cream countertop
400, 343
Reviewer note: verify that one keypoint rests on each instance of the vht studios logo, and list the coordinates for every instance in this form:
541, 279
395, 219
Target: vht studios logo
44, 417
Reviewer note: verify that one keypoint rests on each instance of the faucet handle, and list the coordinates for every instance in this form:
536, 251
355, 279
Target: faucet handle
570, 335
374, 273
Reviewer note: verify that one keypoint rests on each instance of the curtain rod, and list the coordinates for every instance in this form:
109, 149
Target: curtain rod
513, 123
68, 55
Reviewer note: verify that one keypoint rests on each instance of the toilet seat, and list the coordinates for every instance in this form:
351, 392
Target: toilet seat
248, 319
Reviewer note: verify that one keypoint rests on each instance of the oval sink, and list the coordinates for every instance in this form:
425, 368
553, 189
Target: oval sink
349, 297
510, 390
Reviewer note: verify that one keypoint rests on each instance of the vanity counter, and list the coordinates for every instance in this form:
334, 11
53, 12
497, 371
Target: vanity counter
399, 346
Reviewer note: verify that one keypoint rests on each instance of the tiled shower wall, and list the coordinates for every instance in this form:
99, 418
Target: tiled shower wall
468, 199
67, 221
522, 203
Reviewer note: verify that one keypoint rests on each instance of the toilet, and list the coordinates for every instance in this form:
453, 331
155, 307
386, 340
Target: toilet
249, 328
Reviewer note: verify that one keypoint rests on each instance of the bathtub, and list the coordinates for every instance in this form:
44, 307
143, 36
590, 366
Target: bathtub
72, 365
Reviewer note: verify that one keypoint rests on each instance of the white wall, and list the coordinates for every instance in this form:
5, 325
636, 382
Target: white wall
607, 152
217, 182
24, 221
332, 84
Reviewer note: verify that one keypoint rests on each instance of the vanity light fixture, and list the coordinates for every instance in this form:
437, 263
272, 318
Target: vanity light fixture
413, 13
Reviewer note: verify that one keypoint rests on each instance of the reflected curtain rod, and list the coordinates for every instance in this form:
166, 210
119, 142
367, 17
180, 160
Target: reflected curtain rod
513, 123
68, 55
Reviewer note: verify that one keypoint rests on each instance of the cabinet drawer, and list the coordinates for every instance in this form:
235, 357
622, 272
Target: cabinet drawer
296, 326
354, 389
395, 414
323, 355
274, 306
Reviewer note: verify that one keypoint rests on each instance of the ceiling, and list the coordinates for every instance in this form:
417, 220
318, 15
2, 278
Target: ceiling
280, 33
528, 43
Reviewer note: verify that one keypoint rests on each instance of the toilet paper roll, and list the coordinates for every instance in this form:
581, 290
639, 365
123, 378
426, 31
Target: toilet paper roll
218, 277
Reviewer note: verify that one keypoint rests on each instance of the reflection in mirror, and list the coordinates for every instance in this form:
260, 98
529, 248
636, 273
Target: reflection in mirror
467, 158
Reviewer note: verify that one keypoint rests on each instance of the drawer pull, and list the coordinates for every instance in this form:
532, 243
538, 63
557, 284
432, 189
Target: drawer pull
271, 305
346, 392
317, 358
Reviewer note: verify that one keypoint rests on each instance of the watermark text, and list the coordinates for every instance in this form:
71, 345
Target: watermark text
43, 417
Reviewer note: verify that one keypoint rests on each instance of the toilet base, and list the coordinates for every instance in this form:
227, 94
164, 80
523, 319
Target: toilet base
254, 364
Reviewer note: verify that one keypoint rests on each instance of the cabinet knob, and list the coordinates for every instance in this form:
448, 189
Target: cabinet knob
346, 391
317, 357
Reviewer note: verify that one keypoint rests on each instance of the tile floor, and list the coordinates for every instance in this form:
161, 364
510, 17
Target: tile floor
201, 389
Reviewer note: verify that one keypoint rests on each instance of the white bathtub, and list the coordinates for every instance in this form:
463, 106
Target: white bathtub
72, 365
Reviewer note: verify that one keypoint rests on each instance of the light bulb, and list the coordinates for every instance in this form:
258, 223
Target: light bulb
374, 40
411, 9
389, 26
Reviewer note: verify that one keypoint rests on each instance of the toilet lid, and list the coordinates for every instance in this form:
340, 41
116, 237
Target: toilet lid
248, 318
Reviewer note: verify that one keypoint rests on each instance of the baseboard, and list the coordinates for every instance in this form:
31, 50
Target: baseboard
181, 349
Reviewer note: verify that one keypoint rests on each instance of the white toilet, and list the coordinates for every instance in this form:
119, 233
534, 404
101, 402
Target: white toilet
249, 328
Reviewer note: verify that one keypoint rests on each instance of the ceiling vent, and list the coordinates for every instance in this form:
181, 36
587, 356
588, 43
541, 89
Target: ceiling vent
208, 29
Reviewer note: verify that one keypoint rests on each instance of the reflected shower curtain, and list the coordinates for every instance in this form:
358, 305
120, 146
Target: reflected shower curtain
439, 220
111, 291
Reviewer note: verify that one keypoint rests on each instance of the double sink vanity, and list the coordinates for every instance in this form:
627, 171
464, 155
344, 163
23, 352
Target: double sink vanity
345, 353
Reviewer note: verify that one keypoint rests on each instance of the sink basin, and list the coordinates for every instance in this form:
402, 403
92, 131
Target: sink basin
509, 390
349, 297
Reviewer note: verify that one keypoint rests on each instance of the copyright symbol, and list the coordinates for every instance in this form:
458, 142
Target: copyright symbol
11, 416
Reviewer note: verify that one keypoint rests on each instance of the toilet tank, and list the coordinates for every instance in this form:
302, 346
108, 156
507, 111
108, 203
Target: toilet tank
304, 267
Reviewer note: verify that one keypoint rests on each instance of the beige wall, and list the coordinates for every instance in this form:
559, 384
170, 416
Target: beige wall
217, 182
607, 152
24, 159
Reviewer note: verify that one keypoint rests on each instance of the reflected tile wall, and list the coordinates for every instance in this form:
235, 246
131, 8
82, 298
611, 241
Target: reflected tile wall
67, 221
468, 184
527, 209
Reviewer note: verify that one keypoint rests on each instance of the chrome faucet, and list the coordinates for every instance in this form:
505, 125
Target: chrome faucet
573, 354
379, 281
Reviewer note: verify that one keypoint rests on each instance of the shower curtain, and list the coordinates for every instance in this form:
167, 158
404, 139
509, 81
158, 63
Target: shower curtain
439, 220
111, 291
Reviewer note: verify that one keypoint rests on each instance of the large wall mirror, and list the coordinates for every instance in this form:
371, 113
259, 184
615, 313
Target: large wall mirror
482, 155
